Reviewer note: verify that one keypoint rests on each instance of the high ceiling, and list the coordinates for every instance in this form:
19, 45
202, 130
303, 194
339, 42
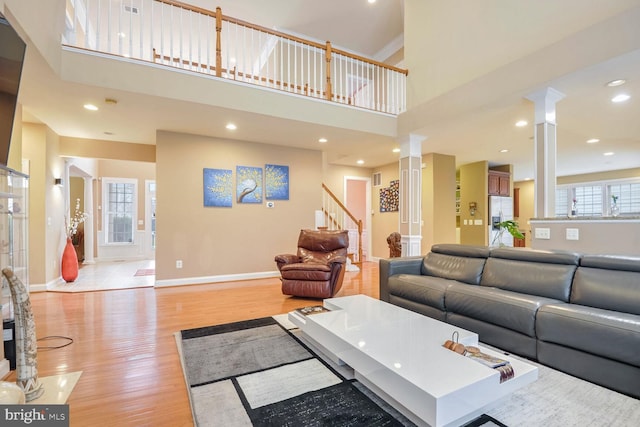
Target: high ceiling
376, 31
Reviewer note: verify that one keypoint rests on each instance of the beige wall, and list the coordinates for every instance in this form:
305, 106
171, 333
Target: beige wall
333, 177
527, 210
474, 188
383, 223
600, 176
15, 148
46, 203
215, 241
80, 147
438, 200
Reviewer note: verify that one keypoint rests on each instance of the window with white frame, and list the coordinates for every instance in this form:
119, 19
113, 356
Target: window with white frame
627, 197
119, 202
595, 199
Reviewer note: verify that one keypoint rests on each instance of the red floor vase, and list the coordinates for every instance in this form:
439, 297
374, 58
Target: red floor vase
69, 262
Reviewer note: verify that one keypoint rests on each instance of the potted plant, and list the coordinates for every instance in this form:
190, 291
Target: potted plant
509, 225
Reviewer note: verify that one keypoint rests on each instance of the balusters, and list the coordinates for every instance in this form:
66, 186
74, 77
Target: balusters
253, 54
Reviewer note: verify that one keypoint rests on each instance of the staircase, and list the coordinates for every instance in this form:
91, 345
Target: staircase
336, 216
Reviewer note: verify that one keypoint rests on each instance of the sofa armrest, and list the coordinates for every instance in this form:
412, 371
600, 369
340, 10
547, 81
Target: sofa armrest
392, 266
285, 259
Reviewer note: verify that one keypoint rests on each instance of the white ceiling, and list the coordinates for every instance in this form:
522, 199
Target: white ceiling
370, 30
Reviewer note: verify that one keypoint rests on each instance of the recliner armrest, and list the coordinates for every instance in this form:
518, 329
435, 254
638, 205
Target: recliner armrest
285, 259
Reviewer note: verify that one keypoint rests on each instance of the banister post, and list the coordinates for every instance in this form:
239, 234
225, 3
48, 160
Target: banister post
218, 42
328, 59
360, 241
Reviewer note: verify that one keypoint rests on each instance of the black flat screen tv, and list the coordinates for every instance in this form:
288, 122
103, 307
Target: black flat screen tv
12, 50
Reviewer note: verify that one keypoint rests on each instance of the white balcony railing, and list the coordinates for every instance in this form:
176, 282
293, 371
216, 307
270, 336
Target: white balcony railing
179, 35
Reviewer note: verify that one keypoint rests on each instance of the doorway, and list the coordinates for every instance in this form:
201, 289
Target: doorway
357, 196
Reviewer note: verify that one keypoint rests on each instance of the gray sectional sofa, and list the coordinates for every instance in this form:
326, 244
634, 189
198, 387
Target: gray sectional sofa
576, 313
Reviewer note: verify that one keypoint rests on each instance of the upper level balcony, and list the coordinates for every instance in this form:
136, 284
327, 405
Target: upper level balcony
180, 36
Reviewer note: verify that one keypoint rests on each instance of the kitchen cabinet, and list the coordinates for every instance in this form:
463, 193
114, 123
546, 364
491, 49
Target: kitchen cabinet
499, 183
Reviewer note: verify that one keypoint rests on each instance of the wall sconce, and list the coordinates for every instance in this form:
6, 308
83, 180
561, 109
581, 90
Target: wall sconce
58, 182
472, 208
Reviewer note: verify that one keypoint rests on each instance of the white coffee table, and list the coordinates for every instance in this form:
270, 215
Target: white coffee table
398, 354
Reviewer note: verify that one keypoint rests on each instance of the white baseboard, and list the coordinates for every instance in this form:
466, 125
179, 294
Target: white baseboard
216, 279
43, 287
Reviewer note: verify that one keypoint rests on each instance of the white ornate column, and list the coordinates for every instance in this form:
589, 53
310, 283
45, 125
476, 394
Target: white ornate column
410, 194
88, 223
545, 151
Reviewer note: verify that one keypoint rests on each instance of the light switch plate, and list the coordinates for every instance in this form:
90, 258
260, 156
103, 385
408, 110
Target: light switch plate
573, 234
542, 233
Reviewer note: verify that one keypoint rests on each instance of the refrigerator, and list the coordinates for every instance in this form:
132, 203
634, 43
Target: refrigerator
500, 209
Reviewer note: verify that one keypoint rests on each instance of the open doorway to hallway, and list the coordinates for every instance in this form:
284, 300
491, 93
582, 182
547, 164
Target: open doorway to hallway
117, 246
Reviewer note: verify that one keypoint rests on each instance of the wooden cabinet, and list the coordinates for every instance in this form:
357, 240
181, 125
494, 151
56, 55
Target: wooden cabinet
519, 243
499, 183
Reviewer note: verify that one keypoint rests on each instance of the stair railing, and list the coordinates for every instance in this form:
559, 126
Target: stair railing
179, 35
338, 217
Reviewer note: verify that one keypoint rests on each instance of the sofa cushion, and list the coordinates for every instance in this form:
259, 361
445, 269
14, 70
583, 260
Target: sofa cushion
508, 309
468, 251
604, 333
467, 270
608, 282
523, 274
547, 257
306, 271
421, 289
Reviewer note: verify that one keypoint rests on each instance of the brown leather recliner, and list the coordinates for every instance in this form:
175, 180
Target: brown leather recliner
318, 268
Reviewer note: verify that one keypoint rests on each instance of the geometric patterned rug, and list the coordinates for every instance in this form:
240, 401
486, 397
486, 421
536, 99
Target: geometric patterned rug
258, 373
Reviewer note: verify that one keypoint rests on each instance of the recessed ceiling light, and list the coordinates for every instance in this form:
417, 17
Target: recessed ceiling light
90, 107
592, 140
396, 150
620, 98
371, 1
360, 162
323, 140
609, 153
521, 123
231, 126
617, 82
504, 150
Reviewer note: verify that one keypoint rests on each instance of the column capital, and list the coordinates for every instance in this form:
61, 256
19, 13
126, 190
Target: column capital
545, 104
411, 145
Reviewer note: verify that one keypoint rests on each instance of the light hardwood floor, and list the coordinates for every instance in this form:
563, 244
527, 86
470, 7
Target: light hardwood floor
124, 342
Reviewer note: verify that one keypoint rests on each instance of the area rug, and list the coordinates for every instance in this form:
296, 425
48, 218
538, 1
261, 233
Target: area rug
260, 373
145, 272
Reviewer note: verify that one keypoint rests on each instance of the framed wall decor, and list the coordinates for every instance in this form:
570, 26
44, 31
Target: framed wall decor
217, 187
276, 182
390, 197
248, 184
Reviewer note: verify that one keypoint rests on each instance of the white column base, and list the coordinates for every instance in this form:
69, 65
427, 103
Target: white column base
411, 245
